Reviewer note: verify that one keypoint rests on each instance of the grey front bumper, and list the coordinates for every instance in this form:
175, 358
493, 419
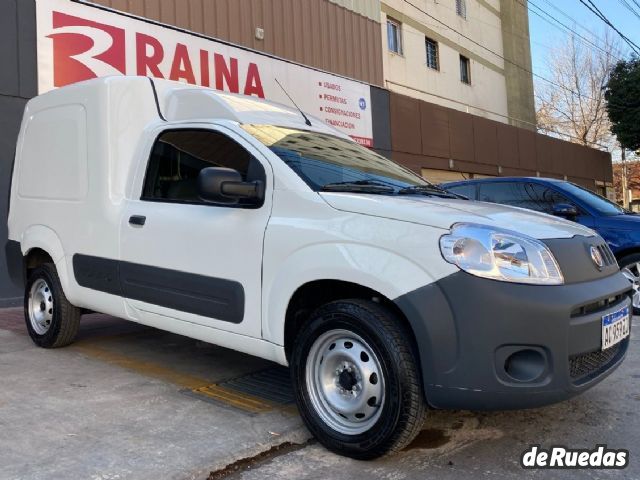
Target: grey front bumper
468, 330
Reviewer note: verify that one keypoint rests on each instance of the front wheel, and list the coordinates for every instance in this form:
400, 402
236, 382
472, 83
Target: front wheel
630, 267
357, 380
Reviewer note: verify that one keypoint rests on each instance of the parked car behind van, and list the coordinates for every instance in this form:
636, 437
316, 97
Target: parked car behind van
619, 227
240, 223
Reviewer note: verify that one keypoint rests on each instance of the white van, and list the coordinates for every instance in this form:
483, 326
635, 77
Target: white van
237, 222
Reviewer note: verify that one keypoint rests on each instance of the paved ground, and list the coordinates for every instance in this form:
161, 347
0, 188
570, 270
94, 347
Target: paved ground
130, 402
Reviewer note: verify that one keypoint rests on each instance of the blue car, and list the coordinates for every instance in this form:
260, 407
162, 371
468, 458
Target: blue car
619, 227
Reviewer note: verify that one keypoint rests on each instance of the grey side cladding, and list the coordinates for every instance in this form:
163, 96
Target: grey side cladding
187, 292
97, 273
211, 297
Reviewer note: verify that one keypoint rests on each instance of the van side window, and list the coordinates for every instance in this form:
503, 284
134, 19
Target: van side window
178, 156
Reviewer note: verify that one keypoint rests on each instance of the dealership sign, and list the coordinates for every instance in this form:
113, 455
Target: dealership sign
78, 42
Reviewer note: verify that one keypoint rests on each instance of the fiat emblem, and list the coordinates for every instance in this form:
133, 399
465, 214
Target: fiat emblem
596, 256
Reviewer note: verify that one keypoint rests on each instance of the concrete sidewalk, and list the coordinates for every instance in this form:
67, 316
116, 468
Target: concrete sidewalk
131, 402
119, 404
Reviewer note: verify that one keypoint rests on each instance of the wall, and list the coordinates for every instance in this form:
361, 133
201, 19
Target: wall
409, 75
428, 136
17, 84
318, 33
517, 52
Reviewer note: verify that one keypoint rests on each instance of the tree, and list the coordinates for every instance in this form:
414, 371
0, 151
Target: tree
572, 105
623, 102
626, 176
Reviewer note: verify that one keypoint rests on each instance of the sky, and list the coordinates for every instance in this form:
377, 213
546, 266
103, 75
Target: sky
576, 16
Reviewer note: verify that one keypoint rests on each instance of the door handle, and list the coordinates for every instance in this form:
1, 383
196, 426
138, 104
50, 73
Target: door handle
137, 220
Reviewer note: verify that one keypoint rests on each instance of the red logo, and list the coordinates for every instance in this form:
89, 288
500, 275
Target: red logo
83, 49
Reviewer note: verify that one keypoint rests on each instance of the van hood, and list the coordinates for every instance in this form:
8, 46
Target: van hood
442, 213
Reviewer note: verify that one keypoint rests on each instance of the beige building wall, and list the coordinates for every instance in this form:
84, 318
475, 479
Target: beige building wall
517, 49
367, 8
496, 90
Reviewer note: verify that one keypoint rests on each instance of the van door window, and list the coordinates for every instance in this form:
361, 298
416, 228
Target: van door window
178, 156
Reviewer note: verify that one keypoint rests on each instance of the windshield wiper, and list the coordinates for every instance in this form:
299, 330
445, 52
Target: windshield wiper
429, 190
360, 186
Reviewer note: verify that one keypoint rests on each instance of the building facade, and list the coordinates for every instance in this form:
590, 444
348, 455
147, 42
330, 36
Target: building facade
339, 36
386, 73
420, 51
469, 55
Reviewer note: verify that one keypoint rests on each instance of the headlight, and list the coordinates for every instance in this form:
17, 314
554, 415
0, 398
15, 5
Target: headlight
500, 255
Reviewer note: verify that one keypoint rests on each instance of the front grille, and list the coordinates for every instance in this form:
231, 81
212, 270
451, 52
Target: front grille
588, 364
607, 254
600, 305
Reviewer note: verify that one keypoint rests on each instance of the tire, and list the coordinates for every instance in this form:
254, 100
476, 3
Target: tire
328, 345
51, 320
630, 267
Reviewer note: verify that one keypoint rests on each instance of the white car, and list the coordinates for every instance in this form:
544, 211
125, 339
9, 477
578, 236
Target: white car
245, 224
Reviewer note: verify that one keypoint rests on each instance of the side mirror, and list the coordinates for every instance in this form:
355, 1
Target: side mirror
565, 210
225, 186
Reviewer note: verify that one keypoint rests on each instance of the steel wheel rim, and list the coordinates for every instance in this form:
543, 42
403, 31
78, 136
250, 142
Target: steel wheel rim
339, 359
40, 306
632, 272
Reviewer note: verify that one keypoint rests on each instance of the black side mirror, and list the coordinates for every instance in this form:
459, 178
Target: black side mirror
565, 210
225, 186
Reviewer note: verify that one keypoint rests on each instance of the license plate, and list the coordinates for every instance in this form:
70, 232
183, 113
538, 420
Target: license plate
615, 327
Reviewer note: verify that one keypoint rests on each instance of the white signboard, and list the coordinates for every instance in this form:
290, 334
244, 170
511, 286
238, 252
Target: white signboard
78, 42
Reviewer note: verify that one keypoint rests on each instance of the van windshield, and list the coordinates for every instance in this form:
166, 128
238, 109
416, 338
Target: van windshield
329, 163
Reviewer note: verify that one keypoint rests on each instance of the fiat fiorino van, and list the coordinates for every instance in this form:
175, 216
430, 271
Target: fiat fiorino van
245, 224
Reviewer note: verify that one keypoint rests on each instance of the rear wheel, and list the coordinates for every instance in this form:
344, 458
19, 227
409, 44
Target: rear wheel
630, 267
51, 320
357, 381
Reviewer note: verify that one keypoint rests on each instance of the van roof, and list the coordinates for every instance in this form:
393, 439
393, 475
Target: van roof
179, 101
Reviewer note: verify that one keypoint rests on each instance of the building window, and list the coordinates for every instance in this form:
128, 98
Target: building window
432, 53
394, 36
465, 70
461, 8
